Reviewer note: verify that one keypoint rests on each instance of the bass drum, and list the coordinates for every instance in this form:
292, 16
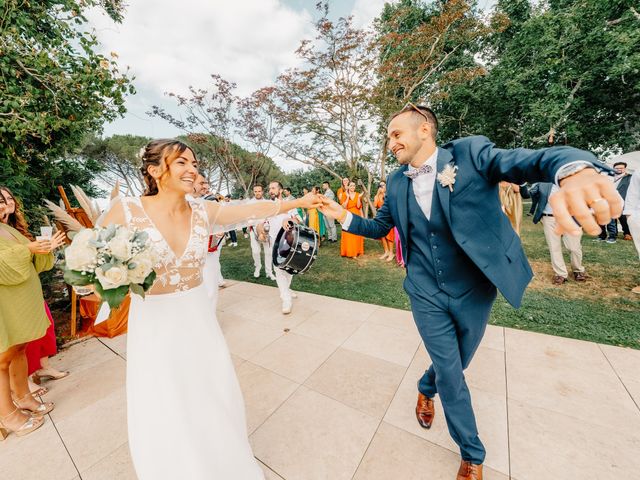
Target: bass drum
295, 250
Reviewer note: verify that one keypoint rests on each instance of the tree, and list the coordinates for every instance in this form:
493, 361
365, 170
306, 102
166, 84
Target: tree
119, 159
563, 72
426, 50
54, 89
323, 107
209, 125
314, 177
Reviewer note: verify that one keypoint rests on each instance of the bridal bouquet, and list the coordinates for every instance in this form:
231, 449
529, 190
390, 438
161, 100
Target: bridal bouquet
113, 260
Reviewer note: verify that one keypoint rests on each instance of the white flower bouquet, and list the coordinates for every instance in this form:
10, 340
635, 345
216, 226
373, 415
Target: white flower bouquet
113, 260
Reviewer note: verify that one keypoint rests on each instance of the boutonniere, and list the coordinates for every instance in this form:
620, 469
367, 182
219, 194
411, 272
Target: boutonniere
447, 177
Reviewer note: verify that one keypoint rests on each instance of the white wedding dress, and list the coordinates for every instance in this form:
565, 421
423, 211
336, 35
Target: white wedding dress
186, 416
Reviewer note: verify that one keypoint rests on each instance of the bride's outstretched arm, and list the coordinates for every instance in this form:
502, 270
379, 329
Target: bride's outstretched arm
224, 217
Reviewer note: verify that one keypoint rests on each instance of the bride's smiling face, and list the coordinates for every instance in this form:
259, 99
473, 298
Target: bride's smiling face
181, 173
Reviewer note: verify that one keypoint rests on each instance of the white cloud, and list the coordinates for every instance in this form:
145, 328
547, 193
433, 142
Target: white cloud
364, 11
170, 45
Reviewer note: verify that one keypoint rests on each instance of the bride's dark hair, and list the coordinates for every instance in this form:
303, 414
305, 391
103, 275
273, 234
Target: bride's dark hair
160, 153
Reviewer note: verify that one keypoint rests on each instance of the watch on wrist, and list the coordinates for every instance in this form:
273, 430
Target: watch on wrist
571, 169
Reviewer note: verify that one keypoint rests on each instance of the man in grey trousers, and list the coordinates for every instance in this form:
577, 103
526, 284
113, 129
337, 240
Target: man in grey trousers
332, 235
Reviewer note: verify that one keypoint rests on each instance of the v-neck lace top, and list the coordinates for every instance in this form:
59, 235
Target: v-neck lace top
174, 274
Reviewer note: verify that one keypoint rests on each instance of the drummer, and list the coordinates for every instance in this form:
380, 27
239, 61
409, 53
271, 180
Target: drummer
283, 279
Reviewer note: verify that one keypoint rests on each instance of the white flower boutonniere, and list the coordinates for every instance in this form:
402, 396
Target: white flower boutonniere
447, 177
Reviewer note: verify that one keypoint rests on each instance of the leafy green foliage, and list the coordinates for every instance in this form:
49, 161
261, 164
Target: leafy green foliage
538, 73
299, 179
54, 89
117, 158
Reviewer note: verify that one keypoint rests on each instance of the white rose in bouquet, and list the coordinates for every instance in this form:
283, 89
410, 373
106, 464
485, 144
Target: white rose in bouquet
120, 244
114, 277
81, 255
142, 265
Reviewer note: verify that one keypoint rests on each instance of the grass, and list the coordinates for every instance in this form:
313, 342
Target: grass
601, 310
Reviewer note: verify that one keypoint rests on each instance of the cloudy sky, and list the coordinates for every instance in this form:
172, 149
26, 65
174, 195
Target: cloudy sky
170, 45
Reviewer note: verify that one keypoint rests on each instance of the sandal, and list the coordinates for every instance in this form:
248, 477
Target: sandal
40, 392
32, 423
41, 375
41, 410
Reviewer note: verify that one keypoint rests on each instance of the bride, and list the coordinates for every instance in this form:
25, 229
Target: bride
185, 409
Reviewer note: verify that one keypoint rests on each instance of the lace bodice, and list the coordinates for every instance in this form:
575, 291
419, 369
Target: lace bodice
174, 273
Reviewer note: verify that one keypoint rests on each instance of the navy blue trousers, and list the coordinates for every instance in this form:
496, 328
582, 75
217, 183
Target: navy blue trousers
451, 329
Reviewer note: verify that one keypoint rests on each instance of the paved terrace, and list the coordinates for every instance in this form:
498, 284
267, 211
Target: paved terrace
333, 398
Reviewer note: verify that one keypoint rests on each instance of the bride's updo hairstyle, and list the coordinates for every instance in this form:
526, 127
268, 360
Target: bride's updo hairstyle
159, 153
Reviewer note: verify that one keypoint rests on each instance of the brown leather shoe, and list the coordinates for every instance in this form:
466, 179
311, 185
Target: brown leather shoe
580, 276
425, 411
469, 471
628, 237
558, 280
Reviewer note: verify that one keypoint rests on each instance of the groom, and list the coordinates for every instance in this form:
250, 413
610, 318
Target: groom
459, 247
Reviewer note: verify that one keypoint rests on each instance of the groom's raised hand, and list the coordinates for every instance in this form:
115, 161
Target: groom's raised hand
332, 209
590, 198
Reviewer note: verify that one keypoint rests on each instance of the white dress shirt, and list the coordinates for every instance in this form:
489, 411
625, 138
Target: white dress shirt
632, 201
547, 209
423, 186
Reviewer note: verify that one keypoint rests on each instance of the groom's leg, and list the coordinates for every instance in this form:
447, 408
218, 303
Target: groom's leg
471, 315
439, 332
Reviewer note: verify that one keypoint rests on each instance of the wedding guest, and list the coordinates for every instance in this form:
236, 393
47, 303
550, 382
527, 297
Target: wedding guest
352, 245
22, 319
631, 213
283, 220
389, 239
316, 219
302, 212
330, 223
541, 191
342, 191
622, 180
233, 237
38, 351
260, 242
398, 245
286, 194
211, 272
511, 196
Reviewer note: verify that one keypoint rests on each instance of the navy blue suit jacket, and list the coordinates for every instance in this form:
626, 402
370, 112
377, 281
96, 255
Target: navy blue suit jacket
473, 209
540, 193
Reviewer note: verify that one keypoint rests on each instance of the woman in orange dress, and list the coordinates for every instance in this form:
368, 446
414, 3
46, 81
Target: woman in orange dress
342, 191
352, 245
387, 242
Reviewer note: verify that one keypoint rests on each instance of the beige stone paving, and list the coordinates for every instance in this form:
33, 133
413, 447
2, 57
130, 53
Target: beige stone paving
330, 393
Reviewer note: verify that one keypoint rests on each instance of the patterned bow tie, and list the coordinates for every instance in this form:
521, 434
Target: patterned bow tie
416, 172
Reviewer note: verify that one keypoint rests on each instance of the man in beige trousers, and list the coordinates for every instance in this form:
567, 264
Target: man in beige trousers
544, 212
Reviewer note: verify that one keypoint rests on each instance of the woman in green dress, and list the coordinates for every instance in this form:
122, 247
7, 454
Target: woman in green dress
22, 319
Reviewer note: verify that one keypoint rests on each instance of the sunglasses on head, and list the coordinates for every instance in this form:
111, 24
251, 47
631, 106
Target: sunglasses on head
422, 110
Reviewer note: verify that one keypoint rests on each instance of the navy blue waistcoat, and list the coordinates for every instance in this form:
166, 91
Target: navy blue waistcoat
435, 261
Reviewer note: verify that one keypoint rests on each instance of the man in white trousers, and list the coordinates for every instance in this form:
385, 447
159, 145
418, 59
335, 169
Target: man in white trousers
632, 212
260, 241
212, 273
283, 279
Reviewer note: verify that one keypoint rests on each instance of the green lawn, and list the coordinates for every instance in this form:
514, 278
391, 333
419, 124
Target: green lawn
602, 310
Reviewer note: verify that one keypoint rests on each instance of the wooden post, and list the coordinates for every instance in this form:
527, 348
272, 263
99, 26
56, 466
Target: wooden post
74, 312
63, 195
